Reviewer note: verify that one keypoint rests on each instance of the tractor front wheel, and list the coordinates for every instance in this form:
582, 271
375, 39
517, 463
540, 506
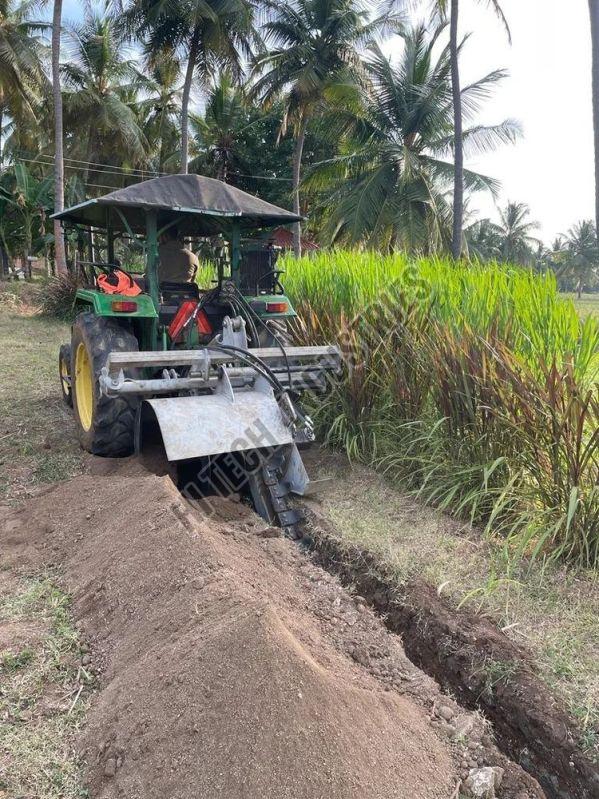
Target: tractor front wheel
105, 425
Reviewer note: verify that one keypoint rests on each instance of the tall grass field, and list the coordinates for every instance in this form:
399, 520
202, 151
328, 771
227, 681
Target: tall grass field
474, 386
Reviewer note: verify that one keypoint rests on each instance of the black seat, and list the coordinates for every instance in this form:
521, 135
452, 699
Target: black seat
141, 282
258, 271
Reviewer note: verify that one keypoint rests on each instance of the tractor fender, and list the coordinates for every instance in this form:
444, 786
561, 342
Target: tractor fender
102, 304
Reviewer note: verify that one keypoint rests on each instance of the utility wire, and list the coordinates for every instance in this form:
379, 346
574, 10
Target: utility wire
106, 168
126, 171
28, 154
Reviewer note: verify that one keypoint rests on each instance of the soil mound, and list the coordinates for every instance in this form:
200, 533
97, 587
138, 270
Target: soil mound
215, 643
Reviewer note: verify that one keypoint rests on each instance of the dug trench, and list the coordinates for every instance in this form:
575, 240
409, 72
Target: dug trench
470, 657
229, 664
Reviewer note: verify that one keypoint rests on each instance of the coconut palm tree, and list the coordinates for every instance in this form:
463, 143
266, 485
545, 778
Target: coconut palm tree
554, 257
102, 83
161, 111
22, 77
516, 229
59, 248
390, 179
452, 7
312, 59
208, 34
584, 254
219, 129
483, 240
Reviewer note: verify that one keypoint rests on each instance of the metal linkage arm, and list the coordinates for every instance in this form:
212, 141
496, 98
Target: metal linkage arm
326, 357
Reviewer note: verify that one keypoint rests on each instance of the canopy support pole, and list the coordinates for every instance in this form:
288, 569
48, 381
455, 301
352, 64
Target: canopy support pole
152, 270
109, 238
235, 254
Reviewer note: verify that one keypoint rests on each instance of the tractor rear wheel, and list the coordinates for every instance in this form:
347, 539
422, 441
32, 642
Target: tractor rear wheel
105, 425
64, 372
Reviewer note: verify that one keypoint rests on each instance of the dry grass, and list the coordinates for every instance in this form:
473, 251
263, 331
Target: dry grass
553, 610
44, 691
44, 688
37, 441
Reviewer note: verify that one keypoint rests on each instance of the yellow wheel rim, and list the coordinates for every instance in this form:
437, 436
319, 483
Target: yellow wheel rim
64, 376
84, 387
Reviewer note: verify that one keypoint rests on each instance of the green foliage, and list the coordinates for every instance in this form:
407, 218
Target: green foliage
22, 52
102, 84
582, 259
25, 200
212, 33
474, 385
312, 55
122, 113
516, 230
387, 186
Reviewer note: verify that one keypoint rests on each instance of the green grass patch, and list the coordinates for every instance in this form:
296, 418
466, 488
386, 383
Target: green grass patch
44, 694
10, 662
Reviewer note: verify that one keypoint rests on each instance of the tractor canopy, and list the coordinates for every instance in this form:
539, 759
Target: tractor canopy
202, 206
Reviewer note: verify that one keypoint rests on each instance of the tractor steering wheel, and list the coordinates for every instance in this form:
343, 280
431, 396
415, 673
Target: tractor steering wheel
275, 274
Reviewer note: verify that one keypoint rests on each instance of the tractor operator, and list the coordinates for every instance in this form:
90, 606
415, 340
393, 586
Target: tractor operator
177, 263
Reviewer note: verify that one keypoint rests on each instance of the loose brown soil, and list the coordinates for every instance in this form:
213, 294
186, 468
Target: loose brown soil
229, 664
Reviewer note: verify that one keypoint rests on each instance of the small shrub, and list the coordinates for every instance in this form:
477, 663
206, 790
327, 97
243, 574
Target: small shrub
58, 295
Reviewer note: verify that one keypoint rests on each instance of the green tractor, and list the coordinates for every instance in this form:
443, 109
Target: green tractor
209, 373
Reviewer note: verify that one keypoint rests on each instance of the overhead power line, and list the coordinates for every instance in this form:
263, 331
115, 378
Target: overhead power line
114, 169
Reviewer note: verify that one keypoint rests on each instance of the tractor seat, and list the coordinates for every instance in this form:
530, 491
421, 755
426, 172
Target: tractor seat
172, 296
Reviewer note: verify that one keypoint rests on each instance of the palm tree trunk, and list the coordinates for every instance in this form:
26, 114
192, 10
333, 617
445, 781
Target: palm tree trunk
4, 270
191, 64
298, 151
162, 155
458, 181
5, 255
89, 160
594, 12
59, 250
27, 245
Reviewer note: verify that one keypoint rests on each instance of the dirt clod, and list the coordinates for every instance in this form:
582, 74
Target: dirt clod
110, 767
446, 712
483, 783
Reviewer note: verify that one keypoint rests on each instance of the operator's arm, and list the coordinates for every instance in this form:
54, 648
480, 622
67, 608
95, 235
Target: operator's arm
194, 265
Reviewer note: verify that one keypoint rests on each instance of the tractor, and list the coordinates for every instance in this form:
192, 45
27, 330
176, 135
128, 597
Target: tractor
208, 372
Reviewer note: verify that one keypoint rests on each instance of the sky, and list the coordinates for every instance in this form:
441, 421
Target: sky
548, 91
